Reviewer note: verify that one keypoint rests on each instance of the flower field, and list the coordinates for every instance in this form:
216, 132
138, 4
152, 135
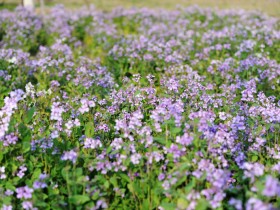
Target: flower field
139, 109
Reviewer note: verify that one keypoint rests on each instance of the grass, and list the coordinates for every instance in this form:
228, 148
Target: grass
270, 7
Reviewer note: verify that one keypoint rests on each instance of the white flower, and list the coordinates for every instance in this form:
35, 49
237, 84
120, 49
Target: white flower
30, 90
2, 173
12, 60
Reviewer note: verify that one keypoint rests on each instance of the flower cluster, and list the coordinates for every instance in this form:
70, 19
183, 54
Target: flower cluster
139, 108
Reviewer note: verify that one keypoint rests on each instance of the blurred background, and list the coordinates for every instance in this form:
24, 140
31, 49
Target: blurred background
270, 7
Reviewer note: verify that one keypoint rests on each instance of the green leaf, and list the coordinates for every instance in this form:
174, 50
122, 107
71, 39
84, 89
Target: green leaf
89, 129
25, 147
65, 172
6, 199
79, 199
107, 184
260, 185
202, 204
139, 189
12, 125
95, 196
108, 150
29, 115
114, 181
255, 158
182, 203
181, 181
168, 206
160, 140
191, 185
145, 204
130, 187
125, 177
22, 129
79, 172
10, 186
36, 174
175, 130
41, 204
24, 132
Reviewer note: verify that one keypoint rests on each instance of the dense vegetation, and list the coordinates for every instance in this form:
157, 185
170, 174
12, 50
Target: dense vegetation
139, 109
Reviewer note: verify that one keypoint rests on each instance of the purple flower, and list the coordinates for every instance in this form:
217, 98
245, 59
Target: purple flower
236, 203
92, 143
9, 139
254, 203
272, 187
100, 204
7, 207
21, 171
24, 192
154, 156
86, 105
9, 192
238, 123
161, 177
117, 143
39, 185
251, 170
166, 185
135, 158
27, 205
176, 151
8, 109
276, 167
185, 140
56, 111
71, 155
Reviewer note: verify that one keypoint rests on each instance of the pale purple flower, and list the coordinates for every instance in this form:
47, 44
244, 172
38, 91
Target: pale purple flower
10, 139
161, 177
236, 203
254, 203
117, 143
39, 185
56, 111
135, 158
100, 204
7, 207
252, 170
238, 123
276, 168
136, 77
55, 134
185, 140
156, 156
223, 115
24, 192
9, 192
166, 185
8, 109
86, 105
27, 205
70, 155
272, 187
92, 143
176, 151
21, 171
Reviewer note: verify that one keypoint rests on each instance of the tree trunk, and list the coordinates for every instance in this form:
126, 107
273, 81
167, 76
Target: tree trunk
42, 6
28, 4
